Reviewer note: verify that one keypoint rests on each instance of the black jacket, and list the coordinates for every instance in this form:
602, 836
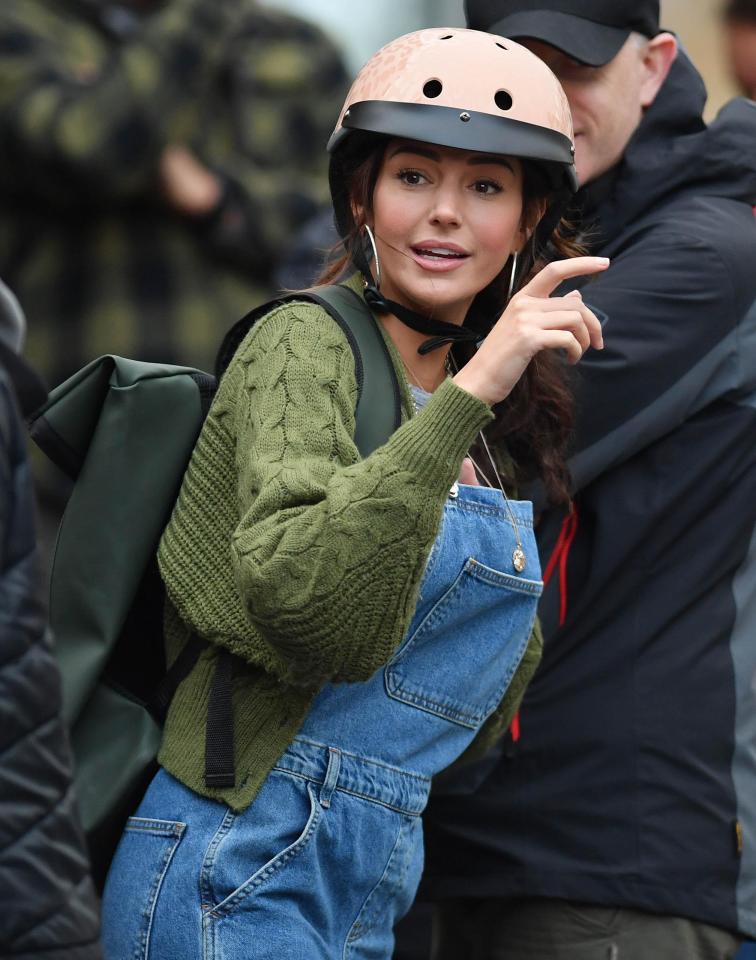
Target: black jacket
47, 902
633, 782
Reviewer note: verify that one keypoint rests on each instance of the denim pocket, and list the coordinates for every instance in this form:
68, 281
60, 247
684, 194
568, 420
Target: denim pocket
461, 658
134, 882
272, 832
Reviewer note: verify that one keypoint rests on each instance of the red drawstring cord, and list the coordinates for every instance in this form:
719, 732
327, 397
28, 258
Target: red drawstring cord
557, 551
514, 728
559, 555
571, 524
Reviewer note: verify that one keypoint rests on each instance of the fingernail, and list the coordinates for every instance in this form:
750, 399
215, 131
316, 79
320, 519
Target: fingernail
604, 259
575, 293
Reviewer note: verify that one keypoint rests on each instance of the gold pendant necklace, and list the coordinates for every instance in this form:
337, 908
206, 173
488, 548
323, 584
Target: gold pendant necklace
519, 560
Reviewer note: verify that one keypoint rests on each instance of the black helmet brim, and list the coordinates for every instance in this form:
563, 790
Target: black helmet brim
464, 130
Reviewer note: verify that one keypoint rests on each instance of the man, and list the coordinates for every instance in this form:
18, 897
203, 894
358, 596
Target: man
620, 821
157, 159
740, 38
48, 906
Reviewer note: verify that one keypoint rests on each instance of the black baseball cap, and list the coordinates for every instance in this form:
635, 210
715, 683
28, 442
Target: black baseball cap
590, 31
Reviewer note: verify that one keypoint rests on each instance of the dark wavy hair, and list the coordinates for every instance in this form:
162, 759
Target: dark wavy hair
534, 423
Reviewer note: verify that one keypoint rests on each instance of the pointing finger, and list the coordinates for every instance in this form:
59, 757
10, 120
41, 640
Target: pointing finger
544, 283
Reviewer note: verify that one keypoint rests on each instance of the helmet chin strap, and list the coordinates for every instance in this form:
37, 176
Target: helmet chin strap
439, 331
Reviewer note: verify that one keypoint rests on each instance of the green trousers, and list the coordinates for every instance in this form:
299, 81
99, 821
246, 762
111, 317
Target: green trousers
563, 930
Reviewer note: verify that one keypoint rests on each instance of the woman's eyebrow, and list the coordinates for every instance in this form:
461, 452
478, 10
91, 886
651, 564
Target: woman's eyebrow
486, 158
421, 151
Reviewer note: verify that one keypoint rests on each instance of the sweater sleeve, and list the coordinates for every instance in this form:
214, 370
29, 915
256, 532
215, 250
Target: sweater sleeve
330, 549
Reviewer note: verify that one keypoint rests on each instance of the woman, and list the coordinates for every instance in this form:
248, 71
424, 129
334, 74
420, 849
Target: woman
381, 608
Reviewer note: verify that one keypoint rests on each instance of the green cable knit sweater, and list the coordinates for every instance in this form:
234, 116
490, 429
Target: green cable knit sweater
292, 552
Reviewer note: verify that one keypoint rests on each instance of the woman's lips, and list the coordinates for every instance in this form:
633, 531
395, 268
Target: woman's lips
439, 257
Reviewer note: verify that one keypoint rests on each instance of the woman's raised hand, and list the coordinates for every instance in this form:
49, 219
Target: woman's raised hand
534, 321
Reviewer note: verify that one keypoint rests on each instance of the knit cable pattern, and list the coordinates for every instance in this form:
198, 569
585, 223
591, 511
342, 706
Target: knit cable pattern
311, 568
289, 549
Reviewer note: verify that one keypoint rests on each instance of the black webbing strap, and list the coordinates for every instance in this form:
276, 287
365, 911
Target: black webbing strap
219, 733
179, 670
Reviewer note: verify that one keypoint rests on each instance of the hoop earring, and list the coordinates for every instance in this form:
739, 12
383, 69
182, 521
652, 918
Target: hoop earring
512, 276
376, 258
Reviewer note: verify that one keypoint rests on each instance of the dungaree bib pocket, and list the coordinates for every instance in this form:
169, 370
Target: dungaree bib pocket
473, 619
426, 672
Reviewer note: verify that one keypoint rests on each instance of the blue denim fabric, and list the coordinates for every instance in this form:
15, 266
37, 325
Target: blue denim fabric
329, 855
467, 637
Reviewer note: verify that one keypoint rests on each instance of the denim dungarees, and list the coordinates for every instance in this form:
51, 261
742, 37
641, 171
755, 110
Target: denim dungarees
329, 855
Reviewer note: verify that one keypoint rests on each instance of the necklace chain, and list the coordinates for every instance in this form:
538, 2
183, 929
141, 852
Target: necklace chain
416, 379
518, 554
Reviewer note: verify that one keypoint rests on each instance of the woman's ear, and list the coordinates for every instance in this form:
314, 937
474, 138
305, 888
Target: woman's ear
523, 236
358, 213
531, 217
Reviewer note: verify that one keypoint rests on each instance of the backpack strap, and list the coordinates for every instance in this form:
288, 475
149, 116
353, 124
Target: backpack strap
379, 410
378, 414
176, 673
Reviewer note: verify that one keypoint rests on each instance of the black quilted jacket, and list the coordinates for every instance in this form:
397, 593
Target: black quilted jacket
47, 904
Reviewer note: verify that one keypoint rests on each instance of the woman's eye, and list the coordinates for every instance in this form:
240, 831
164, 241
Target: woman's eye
411, 177
487, 187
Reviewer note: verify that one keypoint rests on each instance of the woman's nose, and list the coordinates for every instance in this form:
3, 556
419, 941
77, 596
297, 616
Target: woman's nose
445, 209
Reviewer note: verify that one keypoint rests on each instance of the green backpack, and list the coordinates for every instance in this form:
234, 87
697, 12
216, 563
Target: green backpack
124, 431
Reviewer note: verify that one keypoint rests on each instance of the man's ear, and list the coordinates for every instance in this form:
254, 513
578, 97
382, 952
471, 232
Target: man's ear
658, 56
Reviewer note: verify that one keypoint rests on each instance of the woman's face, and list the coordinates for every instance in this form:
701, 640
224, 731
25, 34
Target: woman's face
445, 223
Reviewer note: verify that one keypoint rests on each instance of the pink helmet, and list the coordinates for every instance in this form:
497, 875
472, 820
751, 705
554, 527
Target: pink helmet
467, 89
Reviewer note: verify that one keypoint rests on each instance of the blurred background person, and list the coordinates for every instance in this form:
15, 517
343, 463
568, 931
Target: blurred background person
47, 903
157, 158
361, 28
740, 38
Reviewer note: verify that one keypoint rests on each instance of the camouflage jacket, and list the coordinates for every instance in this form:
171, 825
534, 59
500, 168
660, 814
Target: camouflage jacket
89, 99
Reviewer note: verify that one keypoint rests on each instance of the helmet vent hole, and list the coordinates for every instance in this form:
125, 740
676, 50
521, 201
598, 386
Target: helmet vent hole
503, 100
447, 37
432, 89
502, 46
